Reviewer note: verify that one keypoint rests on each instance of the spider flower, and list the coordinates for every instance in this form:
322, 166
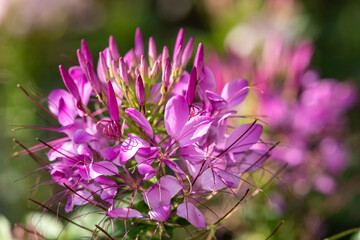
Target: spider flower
140, 127
307, 114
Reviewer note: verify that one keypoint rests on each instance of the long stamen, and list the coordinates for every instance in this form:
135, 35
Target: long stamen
36, 102
33, 155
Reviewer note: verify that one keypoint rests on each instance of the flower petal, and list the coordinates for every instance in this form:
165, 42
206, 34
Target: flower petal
104, 168
69, 83
243, 137
110, 153
81, 136
66, 117
192, 214
140, 119
207, 80
148, 154
146, 170
54, 98
211, 181
113, 104
194, 130
157, 196
171, 184
193, 153
235, 92
124, 213
174, 167
129, 148
176, 115
160, 214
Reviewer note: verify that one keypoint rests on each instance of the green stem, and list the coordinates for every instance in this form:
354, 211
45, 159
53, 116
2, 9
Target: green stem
343, 234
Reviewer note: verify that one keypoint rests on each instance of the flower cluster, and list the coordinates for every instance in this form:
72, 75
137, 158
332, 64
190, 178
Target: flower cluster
306, 113
166, 143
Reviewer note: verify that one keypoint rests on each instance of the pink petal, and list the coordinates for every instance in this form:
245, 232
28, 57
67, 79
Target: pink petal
124, 213
69, 83
235, 92
80, 198
221, 127
207, 81
140, 119
110, 153
192, 214
229, 179
147, 171
211, 181
217, 102
243, 137
193, 153
182, 85
160, 214
155, 90
176, 115
84, 150
66, 117
97, 169
248, 161
174, 167
104, 168
54, 98
129, 148
194, 130
113, 104
171, 184
148, 154
81, 136
157, 196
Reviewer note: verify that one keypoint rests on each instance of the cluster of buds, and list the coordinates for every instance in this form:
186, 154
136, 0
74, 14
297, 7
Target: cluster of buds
143, 126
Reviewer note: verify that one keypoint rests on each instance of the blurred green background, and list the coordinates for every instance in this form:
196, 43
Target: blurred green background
38, 35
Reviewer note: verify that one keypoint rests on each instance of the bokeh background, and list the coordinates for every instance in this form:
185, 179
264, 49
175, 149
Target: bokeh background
38, 35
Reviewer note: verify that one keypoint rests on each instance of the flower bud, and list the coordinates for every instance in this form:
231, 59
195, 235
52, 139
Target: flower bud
140, 91
69, 83
164, 56
86, 52
139, 44
177, 58
155, 70
166, 74
123, 70
187, 52
191, 87
92, 77
81, 61
103, 67
113, 48
143, 68
152, 50
113, 105
179, 42
199, 60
